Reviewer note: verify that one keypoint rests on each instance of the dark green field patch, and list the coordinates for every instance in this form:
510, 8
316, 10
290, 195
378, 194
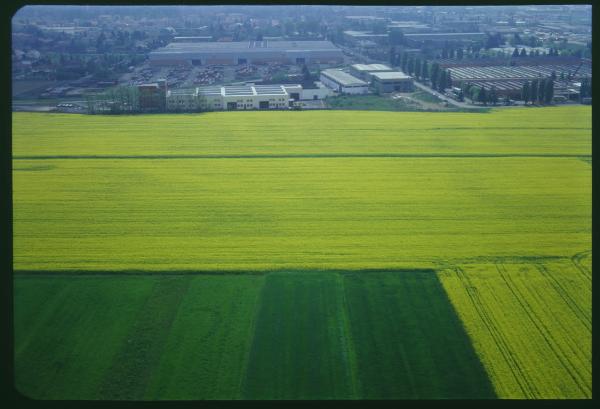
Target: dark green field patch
300, 348
68, 330
409, 341
283, 335
132, 367
207, 347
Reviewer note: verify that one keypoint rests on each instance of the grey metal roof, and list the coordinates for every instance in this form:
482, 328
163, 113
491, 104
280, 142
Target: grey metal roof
247, 46
343, 77
391, 76
371, 67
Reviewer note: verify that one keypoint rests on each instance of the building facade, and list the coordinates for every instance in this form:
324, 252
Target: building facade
395, 81
233, 98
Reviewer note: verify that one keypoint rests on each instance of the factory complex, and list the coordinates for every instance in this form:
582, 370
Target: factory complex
247, 52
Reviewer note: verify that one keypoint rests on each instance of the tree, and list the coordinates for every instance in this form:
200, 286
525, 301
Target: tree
396, 37
541, 90
483, 96
411, 66
448, 79
442, 84
424, 70
549, 92
459, 53
533, 89
474, 92
523, 53
493, 97
392, 56
433, 75
515, 52
418, 68
305, 73
525, 92
553, 75
404, 62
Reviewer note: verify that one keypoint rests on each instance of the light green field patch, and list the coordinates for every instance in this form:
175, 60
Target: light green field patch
530, 325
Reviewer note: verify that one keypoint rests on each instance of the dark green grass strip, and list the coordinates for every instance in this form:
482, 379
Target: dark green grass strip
68, 330
300, 348
141, 352
308, 156
205, 354
409, 342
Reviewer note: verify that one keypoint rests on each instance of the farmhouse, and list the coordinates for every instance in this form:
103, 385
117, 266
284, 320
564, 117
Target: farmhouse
247, 52
385, 82
343, 82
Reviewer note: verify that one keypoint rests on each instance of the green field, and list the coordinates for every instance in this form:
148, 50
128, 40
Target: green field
479, 223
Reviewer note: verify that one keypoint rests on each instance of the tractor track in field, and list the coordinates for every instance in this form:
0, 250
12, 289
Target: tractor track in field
340, 155
584, 318
576, 260
528, 389
542, 329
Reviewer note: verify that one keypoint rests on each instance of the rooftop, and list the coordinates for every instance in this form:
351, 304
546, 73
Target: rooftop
371, 67
343, 77
391, 76
444, 34
246, 46
245, 90
363, 34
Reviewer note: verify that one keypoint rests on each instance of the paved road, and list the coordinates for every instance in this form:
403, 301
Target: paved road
445, 98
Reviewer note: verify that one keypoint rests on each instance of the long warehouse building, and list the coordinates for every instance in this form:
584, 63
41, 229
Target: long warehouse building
247, 52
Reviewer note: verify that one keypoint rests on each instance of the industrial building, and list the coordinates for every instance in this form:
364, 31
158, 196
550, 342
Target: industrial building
343, 82
440, 38
233, 98
356, 37
364, 71
247, 52
394, 81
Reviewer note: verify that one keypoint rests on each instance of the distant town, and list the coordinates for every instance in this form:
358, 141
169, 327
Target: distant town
130, 59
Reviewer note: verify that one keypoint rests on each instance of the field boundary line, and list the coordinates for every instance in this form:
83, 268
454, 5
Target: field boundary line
244, 371
176, 273
356, 388
306, 156
576, 260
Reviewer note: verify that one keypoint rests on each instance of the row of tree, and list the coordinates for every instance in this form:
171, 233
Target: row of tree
423, 70
586, 88
480, 94
538, 91
534, 53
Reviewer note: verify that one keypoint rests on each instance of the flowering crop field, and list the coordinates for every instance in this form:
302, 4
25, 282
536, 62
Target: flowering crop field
494, 207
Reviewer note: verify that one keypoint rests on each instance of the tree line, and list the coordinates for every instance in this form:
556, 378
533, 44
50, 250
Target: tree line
538, 91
